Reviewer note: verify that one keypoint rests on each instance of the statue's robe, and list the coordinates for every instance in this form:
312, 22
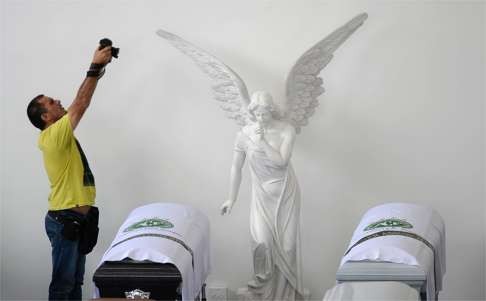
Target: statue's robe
274, 226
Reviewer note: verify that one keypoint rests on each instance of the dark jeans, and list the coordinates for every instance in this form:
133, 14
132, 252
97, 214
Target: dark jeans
67, 263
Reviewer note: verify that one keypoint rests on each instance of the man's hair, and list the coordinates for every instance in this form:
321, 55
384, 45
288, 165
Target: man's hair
35, 111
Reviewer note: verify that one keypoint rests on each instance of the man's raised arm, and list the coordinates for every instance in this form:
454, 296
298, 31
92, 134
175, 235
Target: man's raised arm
83, 98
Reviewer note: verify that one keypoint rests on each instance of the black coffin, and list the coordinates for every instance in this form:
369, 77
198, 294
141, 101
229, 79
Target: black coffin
162, 280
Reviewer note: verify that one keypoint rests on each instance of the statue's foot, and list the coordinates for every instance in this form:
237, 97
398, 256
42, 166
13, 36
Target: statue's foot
263, 277
254, 284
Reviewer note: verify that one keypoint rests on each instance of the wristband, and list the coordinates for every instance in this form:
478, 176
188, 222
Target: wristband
92, 73
96, 67
95, 73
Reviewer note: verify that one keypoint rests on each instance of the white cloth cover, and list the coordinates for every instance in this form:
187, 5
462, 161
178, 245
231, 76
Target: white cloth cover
152, 226
376, 290
406, 217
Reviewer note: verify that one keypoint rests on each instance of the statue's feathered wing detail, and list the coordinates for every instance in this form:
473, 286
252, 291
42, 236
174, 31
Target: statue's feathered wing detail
228, 87
303, 84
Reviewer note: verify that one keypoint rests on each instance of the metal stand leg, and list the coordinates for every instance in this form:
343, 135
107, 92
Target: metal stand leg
203, 292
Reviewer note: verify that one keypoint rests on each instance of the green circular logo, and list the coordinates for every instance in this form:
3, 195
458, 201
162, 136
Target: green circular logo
389, 223
150, 223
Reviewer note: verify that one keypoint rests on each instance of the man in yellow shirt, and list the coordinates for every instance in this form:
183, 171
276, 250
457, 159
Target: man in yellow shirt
71, 221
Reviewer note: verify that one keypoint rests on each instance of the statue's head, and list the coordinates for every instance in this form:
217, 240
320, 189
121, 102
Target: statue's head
261, 107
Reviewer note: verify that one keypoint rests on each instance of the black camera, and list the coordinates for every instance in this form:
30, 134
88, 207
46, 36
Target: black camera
107, 42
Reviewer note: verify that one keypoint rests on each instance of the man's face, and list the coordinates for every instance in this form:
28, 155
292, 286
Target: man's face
54, 110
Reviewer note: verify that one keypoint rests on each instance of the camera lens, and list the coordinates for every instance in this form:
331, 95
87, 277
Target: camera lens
114, 52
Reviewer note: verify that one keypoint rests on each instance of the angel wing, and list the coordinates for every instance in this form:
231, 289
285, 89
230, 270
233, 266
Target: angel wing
303, 84
228, 87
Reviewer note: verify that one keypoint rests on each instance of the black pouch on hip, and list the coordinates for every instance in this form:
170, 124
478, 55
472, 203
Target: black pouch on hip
89, 231
71, 229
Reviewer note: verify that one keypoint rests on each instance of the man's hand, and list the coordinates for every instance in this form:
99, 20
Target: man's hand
102, 56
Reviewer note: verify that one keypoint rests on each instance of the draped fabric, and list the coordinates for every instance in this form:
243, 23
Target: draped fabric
274, 226
424, 245
166, 233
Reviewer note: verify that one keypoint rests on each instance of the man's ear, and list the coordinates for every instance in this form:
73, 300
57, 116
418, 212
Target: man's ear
45, 117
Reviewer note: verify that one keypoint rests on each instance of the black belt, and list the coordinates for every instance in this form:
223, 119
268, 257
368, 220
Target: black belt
61, 215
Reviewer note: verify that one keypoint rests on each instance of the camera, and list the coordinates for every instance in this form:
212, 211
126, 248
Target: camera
107, 42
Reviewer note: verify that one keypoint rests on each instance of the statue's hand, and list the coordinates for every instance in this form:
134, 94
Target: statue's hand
260, 132
259, 136
226, 207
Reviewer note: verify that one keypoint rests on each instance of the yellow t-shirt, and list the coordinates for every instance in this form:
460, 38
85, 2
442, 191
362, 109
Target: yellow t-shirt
72, 183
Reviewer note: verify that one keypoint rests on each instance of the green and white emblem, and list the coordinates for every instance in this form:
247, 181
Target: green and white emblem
150, 223
389, 223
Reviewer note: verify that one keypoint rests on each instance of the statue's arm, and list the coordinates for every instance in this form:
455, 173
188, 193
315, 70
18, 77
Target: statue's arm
280, 157
235, 181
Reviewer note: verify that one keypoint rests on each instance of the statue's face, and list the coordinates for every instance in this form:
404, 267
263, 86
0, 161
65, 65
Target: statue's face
262, 115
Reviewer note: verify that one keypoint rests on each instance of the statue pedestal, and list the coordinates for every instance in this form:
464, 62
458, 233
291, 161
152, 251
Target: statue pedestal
243, 294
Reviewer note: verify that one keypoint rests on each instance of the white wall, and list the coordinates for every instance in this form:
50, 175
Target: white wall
402, 120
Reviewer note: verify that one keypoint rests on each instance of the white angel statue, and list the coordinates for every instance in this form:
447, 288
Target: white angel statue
266, 140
